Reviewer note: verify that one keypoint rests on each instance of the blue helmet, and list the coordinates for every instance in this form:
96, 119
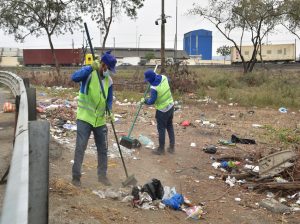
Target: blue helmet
110, 61
150, 75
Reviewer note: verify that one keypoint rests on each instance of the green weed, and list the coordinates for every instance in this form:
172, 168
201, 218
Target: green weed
283, 135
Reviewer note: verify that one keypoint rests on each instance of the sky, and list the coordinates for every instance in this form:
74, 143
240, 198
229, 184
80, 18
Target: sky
143, 31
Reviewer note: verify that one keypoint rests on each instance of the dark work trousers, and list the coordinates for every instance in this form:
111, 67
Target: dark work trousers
165, 121
84, 130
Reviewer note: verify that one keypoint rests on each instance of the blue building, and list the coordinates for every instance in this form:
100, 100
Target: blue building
198, 43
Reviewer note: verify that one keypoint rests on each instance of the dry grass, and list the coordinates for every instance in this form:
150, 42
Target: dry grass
63, 187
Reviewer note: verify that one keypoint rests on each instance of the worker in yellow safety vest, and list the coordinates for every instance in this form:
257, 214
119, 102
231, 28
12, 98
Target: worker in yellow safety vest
91, 113
161, 97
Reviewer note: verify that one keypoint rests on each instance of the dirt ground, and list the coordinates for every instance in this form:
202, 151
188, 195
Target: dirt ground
188, 169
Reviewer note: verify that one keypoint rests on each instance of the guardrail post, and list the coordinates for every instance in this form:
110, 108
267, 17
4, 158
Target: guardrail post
31, 97
26, 82
38, 172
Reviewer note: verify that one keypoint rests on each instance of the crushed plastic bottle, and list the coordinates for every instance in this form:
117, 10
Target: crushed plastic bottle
72, 127
147, 142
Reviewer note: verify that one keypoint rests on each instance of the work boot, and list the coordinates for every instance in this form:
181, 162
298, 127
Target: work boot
76, 181
159, 151
171, 149
104, 180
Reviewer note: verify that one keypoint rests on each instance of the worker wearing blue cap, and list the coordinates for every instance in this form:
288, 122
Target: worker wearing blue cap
162, 99
91, 113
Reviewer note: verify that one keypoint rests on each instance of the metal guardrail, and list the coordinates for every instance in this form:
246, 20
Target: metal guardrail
16, 200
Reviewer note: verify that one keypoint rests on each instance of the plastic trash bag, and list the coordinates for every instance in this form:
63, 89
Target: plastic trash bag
194, 212
175, 202
169, 192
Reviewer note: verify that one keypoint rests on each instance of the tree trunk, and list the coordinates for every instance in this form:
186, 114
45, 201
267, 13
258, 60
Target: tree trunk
245, 66
57, 78
104, 41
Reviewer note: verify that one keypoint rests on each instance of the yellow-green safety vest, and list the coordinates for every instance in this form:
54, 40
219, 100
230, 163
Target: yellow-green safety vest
164, 95
91, 106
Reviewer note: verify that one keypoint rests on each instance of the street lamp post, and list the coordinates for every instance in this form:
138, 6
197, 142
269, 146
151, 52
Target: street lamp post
139, 44
175, 52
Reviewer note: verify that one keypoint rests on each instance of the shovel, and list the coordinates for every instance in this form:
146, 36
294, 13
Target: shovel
127, 141
130, 180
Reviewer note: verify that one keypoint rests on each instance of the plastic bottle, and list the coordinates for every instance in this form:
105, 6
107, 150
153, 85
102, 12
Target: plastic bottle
146, 141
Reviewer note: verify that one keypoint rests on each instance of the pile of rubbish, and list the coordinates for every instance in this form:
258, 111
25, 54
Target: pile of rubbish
154, 196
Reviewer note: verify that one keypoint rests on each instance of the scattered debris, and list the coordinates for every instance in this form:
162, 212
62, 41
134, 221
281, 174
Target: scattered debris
282, 110
194, 212
185, 123
211, 177
211, 149
230, 181
147, 142
274, 206
193, 144
9, 107
226, 142
257, 125
276, 163
235, 139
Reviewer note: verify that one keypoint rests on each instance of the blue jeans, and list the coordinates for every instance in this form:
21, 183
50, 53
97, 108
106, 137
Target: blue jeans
165, 122
84, 130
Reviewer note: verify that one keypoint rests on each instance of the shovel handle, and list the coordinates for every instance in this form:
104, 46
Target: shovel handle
139, 108
106, 105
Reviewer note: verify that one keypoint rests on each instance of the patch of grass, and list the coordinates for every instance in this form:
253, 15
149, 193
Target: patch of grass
131, 96
283, 135
260, 88
65, 93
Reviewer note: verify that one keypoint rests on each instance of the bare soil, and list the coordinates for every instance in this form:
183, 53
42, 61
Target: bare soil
188, 169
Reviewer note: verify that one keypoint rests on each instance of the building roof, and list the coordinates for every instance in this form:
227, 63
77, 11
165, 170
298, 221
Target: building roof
141, 52
10, 52
198, 31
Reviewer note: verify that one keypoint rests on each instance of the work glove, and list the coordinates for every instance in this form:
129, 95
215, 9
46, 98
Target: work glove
142, 101
95, 65
110, 117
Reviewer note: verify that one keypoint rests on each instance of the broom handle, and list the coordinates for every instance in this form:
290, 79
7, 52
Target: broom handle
139, 108
106, 105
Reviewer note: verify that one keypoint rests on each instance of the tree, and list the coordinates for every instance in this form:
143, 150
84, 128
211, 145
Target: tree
249, 18
31, 17
291, 20
224, 51
105, 11
149, 56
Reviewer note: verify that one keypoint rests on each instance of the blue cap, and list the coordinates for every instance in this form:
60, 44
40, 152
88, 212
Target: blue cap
110, 61
150, 75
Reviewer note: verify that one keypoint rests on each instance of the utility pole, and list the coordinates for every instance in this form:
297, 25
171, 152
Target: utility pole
139, 45
114, 46
162, 50
175, 51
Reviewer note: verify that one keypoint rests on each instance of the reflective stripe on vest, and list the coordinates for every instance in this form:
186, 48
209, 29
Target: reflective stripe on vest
164, 95
92, 106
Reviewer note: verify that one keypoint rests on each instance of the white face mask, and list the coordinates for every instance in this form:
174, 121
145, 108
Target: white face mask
106, 73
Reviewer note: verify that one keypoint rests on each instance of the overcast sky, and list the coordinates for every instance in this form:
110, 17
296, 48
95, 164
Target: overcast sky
127, 33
